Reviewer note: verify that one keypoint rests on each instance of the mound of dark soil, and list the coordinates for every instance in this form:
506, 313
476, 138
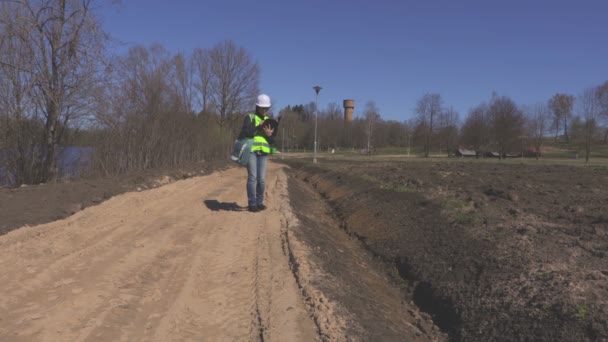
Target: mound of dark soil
492, 251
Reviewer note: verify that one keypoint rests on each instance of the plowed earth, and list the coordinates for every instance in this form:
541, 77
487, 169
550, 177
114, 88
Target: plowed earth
491, 250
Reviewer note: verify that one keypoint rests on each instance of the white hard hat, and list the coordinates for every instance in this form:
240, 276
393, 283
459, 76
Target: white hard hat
263, 101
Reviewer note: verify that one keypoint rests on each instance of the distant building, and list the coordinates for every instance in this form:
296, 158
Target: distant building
461, 152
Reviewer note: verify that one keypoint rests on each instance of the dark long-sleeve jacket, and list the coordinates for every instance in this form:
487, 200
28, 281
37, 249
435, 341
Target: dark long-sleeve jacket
249, 129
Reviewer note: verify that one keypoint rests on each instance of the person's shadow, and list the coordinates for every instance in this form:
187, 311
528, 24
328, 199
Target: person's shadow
227, 206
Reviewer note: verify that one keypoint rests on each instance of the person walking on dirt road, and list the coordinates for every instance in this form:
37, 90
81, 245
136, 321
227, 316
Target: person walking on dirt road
254, 127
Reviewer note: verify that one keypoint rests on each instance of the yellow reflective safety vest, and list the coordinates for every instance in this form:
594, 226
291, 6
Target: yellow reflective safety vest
259, 139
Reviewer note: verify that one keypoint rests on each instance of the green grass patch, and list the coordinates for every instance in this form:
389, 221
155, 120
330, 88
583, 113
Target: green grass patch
465, 218
454, 204
397, 188
581, 312
457, 209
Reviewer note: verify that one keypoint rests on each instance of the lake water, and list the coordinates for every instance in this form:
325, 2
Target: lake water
71, 160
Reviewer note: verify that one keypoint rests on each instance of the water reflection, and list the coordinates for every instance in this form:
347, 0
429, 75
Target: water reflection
71, 161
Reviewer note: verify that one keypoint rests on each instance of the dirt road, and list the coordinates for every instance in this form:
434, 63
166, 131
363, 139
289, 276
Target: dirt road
183, 262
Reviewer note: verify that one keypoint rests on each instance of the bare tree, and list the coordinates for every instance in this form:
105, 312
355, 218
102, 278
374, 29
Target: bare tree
396, 133
332, 127
140, 98
62, 44
146, 115
428, 108
20, 123
602, 94
292, 131
507, 124
537, 119
409, 126
202, 72
234, 82
182, 83
448, 129
372, 117
590, 108
475, 130
333, 111
359, 129
561, 105
577, 133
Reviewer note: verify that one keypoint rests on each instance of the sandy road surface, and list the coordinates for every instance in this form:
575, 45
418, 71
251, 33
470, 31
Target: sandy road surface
177, 263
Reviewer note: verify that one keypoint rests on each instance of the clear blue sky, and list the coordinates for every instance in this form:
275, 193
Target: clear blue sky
389, 52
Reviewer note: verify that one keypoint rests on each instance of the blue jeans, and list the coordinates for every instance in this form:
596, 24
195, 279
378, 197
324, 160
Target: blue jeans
256, 178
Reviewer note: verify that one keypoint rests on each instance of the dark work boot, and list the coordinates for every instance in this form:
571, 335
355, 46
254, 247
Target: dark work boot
261, 207
253, 209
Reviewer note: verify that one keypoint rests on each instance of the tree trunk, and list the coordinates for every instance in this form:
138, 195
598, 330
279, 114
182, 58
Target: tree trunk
50, 162
428, 137
556, 133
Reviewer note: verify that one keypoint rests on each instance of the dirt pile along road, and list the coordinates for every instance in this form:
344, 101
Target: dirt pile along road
186, 262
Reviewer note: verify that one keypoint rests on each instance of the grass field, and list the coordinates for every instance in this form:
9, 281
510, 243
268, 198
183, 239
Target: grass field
546, 159
552, 153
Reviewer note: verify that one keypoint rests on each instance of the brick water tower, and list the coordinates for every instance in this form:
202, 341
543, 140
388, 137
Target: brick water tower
347, 134
349, 108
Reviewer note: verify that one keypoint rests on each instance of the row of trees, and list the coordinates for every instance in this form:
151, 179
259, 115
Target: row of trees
365, 132
146, 109
499, 125
150, 108
49, 57
503, 126
163, 110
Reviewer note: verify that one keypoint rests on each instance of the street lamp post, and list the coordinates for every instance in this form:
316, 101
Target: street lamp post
317, 90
